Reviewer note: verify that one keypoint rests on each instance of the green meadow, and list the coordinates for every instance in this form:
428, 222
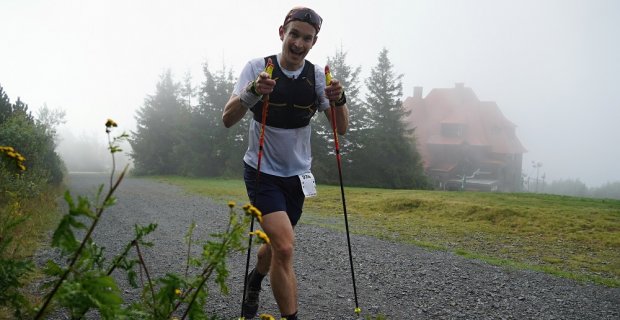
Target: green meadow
577, 238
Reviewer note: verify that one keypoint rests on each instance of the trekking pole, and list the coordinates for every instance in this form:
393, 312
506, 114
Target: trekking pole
261, 141
328, 80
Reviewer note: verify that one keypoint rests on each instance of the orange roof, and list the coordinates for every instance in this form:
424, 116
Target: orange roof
482, 121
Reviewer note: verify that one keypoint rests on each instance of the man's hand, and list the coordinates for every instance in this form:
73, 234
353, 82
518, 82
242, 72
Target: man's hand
264, 84
334, 90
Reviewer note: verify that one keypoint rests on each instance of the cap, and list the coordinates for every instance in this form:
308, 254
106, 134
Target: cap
306, 15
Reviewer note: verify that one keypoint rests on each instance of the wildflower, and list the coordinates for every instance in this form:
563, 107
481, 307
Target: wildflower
358, 310
246, 207
231, 204
251, 210
261, 235
177, 292
110, 123
266, 316
13, 154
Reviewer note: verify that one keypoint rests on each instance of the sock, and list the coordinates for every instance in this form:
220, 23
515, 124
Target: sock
290, 317
256, 278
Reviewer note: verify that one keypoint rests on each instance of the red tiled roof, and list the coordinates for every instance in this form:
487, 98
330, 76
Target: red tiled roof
484, 123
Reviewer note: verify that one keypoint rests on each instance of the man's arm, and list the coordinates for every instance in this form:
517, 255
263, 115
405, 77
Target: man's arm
237, 106
233, 111
335, 93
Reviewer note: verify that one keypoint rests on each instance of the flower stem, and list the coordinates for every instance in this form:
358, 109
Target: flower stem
78, 252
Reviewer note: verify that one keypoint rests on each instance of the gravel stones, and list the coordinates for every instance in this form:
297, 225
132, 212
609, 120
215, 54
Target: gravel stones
397, 280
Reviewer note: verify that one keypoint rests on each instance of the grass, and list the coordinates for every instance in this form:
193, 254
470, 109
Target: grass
577, 238
40, 214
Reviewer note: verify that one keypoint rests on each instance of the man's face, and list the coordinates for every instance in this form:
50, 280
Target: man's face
297, 39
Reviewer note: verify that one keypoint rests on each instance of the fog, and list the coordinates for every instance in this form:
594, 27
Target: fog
550, 65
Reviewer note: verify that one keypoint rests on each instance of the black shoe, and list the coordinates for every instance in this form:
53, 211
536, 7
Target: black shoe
250, 301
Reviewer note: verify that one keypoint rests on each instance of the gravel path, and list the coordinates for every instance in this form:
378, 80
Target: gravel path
396, 280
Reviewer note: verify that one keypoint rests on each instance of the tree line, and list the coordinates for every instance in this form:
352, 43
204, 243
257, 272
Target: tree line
180, 131
34, 139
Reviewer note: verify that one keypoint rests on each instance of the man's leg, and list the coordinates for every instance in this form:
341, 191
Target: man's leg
264, 259
282, 276
255, 278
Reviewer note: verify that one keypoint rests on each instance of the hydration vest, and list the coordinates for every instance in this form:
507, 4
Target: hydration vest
293, 102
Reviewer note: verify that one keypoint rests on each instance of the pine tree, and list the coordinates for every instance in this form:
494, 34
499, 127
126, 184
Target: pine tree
390, 158
5, 105
188, 91
323, 159
220, 147
158, 129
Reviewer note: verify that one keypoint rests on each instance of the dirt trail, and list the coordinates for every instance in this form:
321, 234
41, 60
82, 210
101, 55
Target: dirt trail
396, 280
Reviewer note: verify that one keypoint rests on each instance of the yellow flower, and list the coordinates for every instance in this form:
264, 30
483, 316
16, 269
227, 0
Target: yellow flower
251, 210
11, 153
358, 310
246, 207
266, 316
177, 292
261, 235
231, 204
110, 123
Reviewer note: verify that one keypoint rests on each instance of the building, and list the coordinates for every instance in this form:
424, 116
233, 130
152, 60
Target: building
465, 143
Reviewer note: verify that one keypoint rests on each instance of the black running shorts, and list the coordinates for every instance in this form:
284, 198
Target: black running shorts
275, 193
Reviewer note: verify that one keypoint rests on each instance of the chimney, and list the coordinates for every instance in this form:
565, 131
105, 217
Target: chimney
459, 85
417, 92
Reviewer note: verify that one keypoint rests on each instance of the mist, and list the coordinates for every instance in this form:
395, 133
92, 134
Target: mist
549, 65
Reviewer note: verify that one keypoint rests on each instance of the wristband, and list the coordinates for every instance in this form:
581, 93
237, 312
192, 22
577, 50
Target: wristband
341, 101
252, 88
249, 97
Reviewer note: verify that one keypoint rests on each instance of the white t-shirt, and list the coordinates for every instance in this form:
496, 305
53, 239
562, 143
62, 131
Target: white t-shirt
286, 152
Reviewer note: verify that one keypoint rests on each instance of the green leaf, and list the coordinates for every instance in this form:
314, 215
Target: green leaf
63, 237
53, 269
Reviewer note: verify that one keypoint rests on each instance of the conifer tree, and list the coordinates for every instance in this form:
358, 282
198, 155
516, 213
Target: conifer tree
220, 147
323, 159
390, 158
158, 129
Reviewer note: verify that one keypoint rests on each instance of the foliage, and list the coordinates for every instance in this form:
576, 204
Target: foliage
567, 187
35, 141
157, 129
12, 268
389, 158
323, 158
176, 137
218, 149
610, 190
576, 188
28, 166
85, 281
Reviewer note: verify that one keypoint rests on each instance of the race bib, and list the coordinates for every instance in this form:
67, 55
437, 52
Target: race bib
307, 184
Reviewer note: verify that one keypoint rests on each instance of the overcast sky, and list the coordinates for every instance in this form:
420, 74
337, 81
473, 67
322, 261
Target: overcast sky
551, 66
